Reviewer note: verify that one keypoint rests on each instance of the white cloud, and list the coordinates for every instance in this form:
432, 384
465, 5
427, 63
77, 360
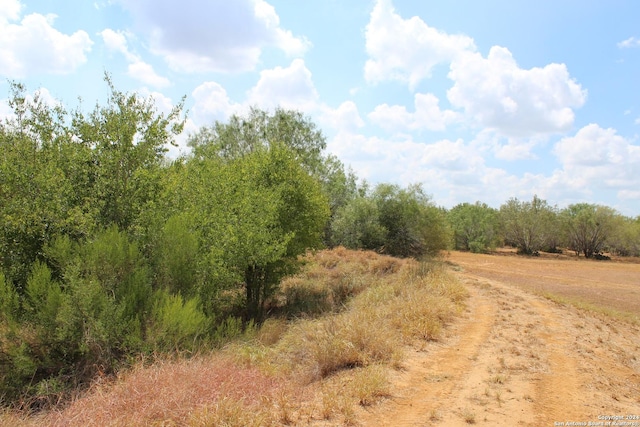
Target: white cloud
291, 87
407, 49
34, 46
496, 93
597, 158
630, 42
452, 171
516, 149
427, 115
344, 118
145, 73
593, 146
10, 10
137, 68
116, 41
196, 36
211, 103
492, 93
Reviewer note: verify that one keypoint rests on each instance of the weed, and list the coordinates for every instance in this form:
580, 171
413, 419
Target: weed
434, 415
469, 416
370, 384
498, 379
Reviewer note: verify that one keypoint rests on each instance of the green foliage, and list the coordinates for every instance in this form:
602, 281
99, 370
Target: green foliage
357, 225
256, 131
178, 324
588, 226
255, 214
260, 130
393, 220
475, 227
625, 237
9, 303
414, 225
176, 254
528, 225
128, 140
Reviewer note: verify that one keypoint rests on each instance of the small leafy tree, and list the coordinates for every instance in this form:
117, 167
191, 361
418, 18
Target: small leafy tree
260, 129
356, 225
527, 225
625, 238
255, 214
475, 227
128, 139
588, 226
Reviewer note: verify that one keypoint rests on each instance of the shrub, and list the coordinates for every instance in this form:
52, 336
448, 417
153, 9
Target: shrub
177, 324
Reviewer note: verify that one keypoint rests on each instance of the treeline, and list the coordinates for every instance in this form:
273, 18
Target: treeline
533, 226
109, 249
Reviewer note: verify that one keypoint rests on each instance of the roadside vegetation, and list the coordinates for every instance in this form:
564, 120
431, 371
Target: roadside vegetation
342, 323
112, 253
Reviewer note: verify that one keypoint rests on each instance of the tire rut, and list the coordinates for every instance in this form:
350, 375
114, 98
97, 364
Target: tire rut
516, 359
430, 376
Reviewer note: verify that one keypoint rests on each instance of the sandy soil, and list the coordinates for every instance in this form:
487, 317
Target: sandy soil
516, 358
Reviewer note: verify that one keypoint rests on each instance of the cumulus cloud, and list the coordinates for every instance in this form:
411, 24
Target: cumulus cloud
496, 93
450, 170
490, 92
10, 10
289, 87
630, 42
407, 49
593, 146
34, 46
598, 158
211, 103
427, 115
345, 118
138, 69
195, 36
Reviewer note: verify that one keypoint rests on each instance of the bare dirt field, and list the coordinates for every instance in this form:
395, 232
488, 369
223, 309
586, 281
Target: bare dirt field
518, 358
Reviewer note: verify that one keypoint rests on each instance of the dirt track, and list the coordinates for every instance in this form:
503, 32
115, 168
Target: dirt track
515, 358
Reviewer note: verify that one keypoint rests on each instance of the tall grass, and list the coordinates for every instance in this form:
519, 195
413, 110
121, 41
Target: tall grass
339, 326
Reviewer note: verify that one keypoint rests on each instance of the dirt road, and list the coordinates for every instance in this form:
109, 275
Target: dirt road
515, 358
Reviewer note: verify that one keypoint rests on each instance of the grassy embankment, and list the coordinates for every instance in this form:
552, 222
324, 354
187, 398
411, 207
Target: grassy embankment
337, 330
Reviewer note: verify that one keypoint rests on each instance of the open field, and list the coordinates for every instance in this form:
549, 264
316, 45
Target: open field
613, 285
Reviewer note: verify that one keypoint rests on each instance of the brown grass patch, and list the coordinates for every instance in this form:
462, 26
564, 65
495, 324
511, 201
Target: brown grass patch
171, 393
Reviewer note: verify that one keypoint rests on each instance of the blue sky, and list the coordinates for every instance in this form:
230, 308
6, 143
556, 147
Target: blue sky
476, 100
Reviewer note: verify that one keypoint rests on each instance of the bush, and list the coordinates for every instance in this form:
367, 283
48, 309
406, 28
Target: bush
176, 324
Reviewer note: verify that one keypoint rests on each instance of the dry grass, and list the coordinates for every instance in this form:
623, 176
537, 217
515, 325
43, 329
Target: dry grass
593, 309
182, 392
346, 319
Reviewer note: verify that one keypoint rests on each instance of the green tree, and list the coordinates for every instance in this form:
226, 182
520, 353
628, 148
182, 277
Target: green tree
475, 226
255, 215
356, 225
588, 226
259, 129
527, 225
37, 183
625, 238
413, 225
128, 139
